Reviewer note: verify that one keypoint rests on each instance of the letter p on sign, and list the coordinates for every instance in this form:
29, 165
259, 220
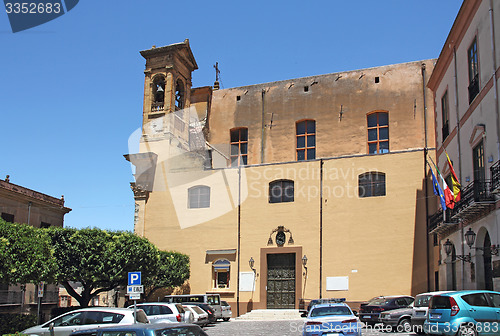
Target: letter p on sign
134, 278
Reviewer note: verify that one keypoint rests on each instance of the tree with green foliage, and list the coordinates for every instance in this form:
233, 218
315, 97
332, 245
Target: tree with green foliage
173, 271
25, 254
99, 260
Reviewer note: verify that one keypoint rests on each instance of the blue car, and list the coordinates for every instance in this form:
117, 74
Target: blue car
156, 329
464, 313
331, 319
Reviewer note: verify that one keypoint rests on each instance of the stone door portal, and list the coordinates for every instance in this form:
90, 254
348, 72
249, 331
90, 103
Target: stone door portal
281, 281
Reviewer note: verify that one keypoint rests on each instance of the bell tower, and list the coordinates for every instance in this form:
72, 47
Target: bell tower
167, 83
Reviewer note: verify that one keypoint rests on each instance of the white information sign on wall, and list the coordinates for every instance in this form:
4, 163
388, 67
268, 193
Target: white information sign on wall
337, 283
247, 281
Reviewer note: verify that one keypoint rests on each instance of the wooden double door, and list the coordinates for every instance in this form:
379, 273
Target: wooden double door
281, 281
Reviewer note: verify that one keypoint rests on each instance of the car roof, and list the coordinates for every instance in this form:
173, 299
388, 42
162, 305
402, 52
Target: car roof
338, 304
470, 291
434, 293
137, 326
105, 309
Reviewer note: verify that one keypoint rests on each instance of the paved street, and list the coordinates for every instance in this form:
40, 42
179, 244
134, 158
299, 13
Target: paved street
272, 328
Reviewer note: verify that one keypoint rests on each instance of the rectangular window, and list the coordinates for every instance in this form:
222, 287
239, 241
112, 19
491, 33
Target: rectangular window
371, 184
9, 218
478, 162
281, 191
445, 115
239, 147
199, 197
306, 140
473, 71
378, 133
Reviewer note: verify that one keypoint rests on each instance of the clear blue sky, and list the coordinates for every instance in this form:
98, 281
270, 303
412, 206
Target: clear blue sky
71, 90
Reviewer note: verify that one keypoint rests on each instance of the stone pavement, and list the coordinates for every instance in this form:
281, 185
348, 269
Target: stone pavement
273, 328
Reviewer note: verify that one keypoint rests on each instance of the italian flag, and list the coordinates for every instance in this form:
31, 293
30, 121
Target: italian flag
448, 195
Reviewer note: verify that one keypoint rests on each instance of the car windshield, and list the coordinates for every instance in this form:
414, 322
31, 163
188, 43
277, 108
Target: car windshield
326, 311
180, 331
119, 333
422, 300
378, 302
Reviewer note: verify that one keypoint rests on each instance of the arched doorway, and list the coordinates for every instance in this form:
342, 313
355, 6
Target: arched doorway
488, 272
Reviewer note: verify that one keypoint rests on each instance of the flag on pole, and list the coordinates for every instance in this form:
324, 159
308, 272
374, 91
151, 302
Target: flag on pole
438, 190
448, 195
454, 179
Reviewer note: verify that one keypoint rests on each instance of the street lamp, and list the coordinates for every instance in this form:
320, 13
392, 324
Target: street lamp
470, 237
304, 263
251, 262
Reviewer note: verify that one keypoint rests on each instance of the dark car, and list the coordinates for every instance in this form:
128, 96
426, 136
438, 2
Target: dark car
164, 329
397, 319
370, 313
206, 307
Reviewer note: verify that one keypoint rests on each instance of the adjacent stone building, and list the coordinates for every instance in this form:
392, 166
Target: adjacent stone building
291, 190
22, 205
465, 87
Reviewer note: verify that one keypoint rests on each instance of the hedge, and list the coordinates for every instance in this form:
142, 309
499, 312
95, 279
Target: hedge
15, 323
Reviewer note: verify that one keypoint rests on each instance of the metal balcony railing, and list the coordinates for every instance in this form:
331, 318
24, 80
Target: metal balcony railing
495, 177
438, 223
157, 107
9, 297
476, 199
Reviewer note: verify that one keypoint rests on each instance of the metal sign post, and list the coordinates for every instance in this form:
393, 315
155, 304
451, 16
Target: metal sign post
40, 288
134, 289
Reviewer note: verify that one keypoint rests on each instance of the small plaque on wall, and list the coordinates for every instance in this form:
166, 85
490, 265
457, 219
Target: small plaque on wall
337, 283
247, 281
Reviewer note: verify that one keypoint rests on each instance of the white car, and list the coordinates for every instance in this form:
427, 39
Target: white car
86, 318
200, 316
161, 312
226, 311
420, 310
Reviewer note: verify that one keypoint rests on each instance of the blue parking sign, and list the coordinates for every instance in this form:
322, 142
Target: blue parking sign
134, 278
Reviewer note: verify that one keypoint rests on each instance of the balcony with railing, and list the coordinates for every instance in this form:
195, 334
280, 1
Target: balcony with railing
476, 201
11, 297
495, 177
441, 221
157, 106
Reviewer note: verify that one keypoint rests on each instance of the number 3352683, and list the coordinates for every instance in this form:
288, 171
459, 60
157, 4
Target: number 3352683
32, 8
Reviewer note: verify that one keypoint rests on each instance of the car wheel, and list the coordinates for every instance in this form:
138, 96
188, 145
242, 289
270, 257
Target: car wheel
467, 330
226, 319
404, 326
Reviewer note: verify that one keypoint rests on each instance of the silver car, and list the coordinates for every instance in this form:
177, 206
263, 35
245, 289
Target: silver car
86, 318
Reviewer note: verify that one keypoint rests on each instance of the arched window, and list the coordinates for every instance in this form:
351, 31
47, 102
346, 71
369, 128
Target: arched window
378, 132
306, 140
221, 269
199, 197
371, 184
179, 94
239, 146
159, 89
281, 191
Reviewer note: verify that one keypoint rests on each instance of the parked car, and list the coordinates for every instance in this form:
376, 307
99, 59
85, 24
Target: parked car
206, 307
397, 319
331, 319
155, 329
200, 317
212, 299
86, 318
226, 310
470, 312
420, 309
158, 312
370, 312
318, 301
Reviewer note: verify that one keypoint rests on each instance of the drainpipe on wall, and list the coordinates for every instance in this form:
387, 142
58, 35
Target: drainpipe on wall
428, 261
263, 126
494, 77
239, 244
320, 228
462, 248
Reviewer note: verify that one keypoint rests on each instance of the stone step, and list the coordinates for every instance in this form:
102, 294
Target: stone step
271, 314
